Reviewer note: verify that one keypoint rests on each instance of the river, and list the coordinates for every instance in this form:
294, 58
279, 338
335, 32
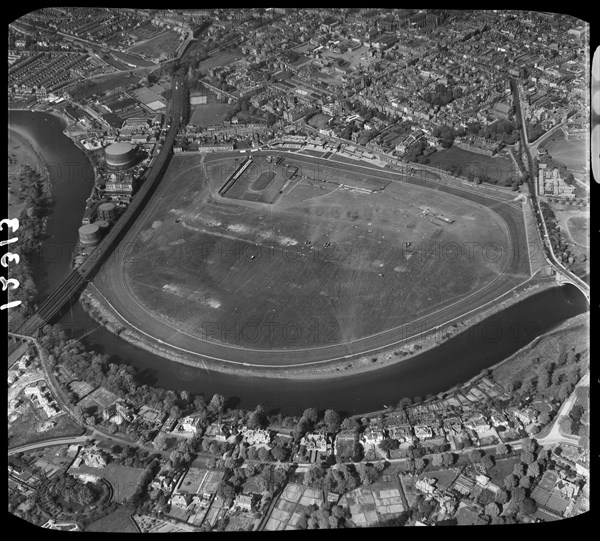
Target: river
434, 371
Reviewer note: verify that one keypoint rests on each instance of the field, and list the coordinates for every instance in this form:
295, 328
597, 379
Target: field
145, 32
292, 504
100, 399
25, 429
261, 181
109, 82
579, 230
240, 522
207, 114
503, 467
200, 481
545, 495
480, 164
370, 505
123, 479
444, 478
572, 154
166, 42
345, 253
116, 522
320, 121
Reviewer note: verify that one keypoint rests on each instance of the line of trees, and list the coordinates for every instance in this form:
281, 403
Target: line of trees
32, 223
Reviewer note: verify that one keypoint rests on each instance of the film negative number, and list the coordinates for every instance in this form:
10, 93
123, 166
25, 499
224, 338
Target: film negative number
13, 224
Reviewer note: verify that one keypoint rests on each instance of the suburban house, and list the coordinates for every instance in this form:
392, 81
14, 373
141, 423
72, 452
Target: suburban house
314, 442
244, 502
423, 432
372, 436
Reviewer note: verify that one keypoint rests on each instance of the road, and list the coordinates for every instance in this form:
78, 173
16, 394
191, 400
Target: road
558, 267
555, 435
48, 443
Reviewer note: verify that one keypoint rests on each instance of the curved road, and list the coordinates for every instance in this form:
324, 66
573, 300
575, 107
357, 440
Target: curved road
114, 288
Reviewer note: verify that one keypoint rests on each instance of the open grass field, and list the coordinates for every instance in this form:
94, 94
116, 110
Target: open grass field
118, 521
494, 167
503, 467
572, 154
578, 228
207, 114
123, 479
26, 428
323, 265
320, 121
166, 42
112, 81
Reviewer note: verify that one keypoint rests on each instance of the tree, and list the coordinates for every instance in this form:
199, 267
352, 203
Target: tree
544, 418
420, 464
502, 449
519, 469
176, 459
448, 459
564, 391
437, 460
510, 482
528, 444
389, 444
350, 423
301, 428
475, 455
533, 470
311, 415
217, 404
566, 425
332, 419
528, 506
279, 453
255, 420
502, 496
525, 482
487, 461
527, 457
313, 477
492, 509
264, 454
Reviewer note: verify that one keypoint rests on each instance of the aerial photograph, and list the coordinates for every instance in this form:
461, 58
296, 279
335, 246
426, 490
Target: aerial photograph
297, 268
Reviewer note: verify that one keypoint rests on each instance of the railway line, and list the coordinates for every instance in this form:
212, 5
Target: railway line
68, 290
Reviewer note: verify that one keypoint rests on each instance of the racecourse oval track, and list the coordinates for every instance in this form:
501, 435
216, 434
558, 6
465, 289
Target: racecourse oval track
113, 288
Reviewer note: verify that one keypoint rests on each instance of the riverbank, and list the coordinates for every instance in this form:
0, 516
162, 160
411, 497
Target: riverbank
49, 110
22, 154
568, 333
98, 308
